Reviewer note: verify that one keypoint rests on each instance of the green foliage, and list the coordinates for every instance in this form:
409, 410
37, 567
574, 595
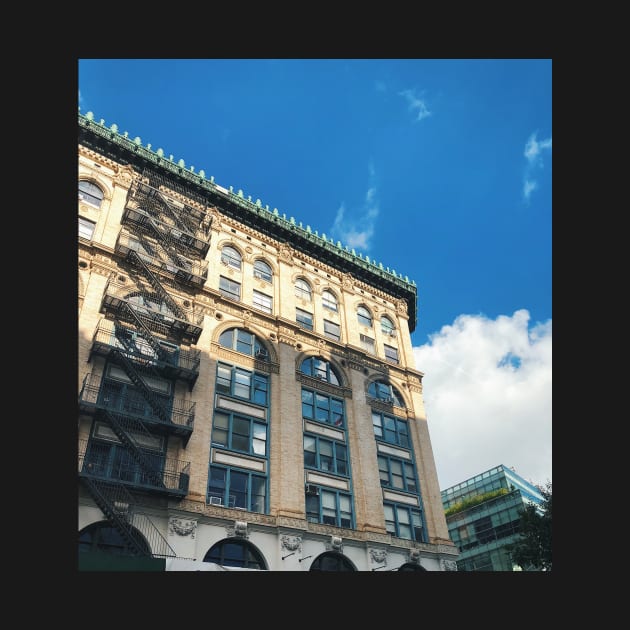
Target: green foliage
532, 551
476, 500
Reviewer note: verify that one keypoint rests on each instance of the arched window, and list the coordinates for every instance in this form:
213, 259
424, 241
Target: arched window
231, 257
236, 553
303, 289
331, 561
408, 566
385, 391
387, 327
320, 368
243, 341
90, 193
104, 538
262, 271
329, 300
364, 316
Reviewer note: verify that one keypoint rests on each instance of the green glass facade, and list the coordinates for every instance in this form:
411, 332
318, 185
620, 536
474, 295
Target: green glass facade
483, 516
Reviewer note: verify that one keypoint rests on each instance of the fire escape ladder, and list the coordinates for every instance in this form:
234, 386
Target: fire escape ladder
148, 394
157, 285
123, 433
144, 332
116, 503
168, 243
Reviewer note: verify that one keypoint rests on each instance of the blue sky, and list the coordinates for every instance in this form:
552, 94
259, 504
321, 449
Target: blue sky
439, 169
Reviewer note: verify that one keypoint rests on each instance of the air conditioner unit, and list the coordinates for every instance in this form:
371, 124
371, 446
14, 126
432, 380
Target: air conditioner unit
311, 489
216, 501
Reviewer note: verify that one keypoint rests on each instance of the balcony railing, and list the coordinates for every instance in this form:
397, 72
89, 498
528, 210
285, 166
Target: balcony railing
175, 362
100, 393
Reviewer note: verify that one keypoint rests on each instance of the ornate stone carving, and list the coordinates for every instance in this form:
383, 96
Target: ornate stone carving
414, 556
401, 306
448, 565
285, 253
378, 555
239, 530
291, 543
335, 544
182, 527
124, 176
347, 281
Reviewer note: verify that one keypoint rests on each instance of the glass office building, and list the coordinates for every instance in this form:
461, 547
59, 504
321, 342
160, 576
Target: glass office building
483, 516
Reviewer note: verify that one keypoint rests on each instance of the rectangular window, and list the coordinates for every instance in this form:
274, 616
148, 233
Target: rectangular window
326, 455
239, 433
236, 488
403, 522
304, 318
397, 474
332, 330
262, 302
390, 429
236, 381
391, 353
316, 406
229, 288
367, 343
86, 228
330, 508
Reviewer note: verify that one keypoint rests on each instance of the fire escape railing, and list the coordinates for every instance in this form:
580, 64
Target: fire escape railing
116, 298
169, 361
161, 258
121, 509
96, 394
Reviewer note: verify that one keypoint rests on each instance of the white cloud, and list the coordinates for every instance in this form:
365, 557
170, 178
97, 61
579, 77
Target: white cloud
415, 103
356, 232
487, 394
533, 154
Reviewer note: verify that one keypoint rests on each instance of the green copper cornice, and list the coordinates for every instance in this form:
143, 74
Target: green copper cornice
259, 217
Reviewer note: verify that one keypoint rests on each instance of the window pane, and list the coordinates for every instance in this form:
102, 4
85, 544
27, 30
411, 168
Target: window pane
262, 271
329, 301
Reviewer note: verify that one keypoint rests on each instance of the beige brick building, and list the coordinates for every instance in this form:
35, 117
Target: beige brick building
248, 395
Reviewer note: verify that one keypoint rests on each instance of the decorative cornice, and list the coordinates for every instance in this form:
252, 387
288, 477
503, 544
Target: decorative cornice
254, 214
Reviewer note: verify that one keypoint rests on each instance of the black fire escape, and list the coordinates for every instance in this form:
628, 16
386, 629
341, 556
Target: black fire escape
146, 333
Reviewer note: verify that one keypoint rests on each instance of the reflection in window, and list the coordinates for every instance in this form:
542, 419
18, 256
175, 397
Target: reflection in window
242, 341
303, 290
403, 521
86, 228
320, 368
236, 488
90, 193
330, 507
235, 553
329, 300
397, 474
104, 538
367, 343
332, 330
327, 455
235, 381
331, 561
231, 257
239, 433
391, 429
323, 408
229, 288
391, 353
304, 318
385, 391
386, 326
364, 316
262, 271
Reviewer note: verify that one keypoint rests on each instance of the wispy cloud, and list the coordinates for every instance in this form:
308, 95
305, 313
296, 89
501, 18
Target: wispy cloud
415, 104
534, 162
487, 392
356, 231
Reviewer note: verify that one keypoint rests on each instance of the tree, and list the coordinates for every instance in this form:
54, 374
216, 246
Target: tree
532, 551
